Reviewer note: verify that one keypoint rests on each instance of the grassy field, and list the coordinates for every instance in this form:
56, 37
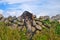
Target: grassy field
7, 33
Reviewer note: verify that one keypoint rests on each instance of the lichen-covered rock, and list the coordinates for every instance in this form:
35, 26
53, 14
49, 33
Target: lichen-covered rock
38, 23
34, 23
38, 27
33, 29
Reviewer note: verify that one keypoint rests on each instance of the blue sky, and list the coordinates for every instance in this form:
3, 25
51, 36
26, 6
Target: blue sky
37, 7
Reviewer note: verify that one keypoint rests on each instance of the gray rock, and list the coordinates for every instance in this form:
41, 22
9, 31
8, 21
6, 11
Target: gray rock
57, 17
38, 23
6, 20
44, 18
37, 19
2, 20
38, 27
33, 29
14, 21
14, 18
10, 18
20, 19
20, 24
34, 23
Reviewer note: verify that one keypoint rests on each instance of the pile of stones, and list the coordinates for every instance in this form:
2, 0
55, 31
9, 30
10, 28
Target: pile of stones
26, 19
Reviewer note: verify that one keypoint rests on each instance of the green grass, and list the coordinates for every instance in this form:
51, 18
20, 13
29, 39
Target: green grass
58, 29
53, 33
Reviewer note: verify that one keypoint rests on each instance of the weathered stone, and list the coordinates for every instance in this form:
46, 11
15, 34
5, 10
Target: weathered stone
57, 17
33, 29
34, 23
14, 21
59, 21
46, 17
42, 26
39, 23
20, 24
47, 25
28, 26
36, 19
28, 19
6, 21
2, 20
41, 17
38, 27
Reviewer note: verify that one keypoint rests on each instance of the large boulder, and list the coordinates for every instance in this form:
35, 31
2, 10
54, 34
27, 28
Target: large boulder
27, 15
38, 23
38, 27
28, 20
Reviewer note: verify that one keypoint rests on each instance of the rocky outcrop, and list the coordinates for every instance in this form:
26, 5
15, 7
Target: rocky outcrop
57, 17
27, 19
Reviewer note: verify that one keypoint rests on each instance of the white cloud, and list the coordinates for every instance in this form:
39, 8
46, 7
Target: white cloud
13, 13
37, 7
1, 11
17, 1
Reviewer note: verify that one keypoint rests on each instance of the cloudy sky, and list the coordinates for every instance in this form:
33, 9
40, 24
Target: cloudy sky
37, 7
